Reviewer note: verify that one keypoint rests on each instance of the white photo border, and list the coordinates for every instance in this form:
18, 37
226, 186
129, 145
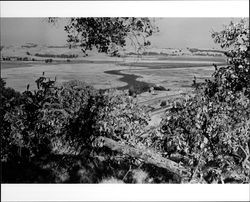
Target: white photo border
236, 8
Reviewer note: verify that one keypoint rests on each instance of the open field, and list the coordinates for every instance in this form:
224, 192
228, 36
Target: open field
172, 78
18, 78
175, 75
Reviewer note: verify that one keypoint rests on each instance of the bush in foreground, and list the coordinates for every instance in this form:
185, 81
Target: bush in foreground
211, 130
62, 120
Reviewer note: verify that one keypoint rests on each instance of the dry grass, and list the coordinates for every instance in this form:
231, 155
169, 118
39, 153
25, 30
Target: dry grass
179, 78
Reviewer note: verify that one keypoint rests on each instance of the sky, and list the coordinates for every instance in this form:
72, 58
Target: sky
174, 32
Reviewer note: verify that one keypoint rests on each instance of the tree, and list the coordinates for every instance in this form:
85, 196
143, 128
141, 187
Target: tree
211, 129
236, 76
109, 34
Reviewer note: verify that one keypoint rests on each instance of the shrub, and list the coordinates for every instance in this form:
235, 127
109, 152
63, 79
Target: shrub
30, 130
63, 119
210, 133
9, 99
211, 129
71, 115
160, 88
139, 88
163, 103
122, 118
48, 60
132, 91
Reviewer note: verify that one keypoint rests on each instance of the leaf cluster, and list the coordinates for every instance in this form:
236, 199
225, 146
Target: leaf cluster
109, 34
211, 130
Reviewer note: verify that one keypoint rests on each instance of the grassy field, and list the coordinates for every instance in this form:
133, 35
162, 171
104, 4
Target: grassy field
13, 64
18, 77
17, 64
169, 65
172, 78
175, 74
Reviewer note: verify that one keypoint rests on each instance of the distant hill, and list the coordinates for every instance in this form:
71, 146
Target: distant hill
29, 45
36, 51
179, 52
33, 50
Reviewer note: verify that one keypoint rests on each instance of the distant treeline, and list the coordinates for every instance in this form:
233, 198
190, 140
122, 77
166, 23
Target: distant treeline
62, 46
151, 53
179, 52
17, 59
57, 56
29, 45
208, 54
193, 50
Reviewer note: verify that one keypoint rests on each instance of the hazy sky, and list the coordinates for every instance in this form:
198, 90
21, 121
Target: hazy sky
174, 32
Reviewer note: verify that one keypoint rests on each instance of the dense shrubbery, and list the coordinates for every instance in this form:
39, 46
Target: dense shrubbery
212, 128
213, 135
9, 99
64, 119
74, 112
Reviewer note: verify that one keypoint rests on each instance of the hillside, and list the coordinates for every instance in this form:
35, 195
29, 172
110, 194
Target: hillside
39, 52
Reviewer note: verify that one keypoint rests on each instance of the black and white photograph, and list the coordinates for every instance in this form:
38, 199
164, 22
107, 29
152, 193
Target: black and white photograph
125, 100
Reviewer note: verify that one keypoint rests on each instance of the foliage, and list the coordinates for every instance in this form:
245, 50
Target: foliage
209, 132
163, 103
9, 98
64, 119
109, 34
139, 87
122, 118
236, 76
30, 131
211, 129
160, 88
